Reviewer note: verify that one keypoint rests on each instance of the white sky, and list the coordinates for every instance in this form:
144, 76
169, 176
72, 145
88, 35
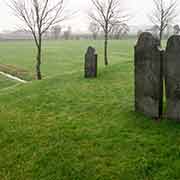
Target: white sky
139, 9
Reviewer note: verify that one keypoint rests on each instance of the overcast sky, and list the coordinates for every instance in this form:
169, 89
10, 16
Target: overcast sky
139, 9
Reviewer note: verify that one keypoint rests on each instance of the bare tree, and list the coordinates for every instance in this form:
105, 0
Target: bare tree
107, 13
163, 15
176, 29
119, 31
154, 30
39, 16
168, 32
94, 29
56, 31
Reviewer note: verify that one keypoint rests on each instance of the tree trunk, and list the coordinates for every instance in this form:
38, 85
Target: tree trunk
38, 64
106, 49
160, 38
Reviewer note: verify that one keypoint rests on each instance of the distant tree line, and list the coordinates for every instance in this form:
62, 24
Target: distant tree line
107, 21
118, 31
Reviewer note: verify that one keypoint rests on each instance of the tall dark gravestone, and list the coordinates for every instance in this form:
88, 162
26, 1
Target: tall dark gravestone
172, 77
91, 63
148, 76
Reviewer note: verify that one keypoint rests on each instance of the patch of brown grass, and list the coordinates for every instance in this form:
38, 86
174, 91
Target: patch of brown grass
16, 71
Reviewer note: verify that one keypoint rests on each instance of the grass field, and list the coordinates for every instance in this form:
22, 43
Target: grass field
60, 57
70, 128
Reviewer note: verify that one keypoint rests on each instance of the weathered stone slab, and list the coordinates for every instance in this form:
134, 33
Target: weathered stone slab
148, 76
90, 63
172, 77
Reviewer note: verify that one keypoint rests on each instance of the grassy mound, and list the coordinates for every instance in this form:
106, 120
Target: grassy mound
69, 128
18, 72
6, 82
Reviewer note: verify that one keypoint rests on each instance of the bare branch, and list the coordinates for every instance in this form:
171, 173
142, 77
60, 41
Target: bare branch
107, 14
39, 16
163, 15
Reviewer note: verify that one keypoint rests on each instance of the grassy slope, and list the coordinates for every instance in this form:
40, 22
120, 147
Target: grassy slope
69, 128
5, 82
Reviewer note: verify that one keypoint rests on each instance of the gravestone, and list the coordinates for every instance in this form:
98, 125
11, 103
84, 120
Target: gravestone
148, 76
90, 63
172, 77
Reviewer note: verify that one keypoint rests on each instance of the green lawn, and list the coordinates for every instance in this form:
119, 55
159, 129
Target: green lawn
70, 128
